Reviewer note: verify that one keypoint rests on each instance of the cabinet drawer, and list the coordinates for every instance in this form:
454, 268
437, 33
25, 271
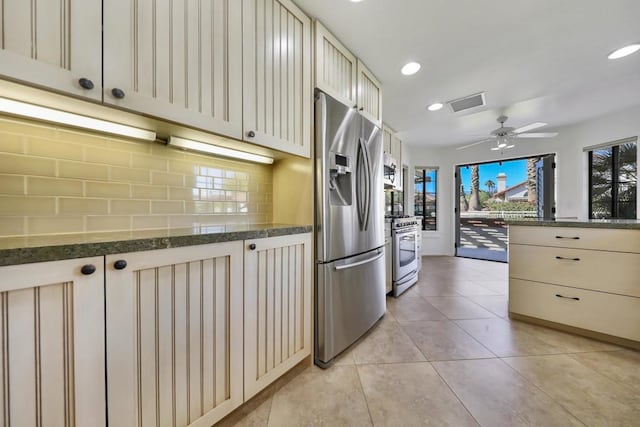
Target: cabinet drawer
605, 313
614, 272
580, 238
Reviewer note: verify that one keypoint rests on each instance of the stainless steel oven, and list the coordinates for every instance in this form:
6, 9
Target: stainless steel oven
405, 264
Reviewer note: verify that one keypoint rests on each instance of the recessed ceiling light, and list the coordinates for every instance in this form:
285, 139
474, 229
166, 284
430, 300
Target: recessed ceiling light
355, 1
410, 68
435, 107
624, 51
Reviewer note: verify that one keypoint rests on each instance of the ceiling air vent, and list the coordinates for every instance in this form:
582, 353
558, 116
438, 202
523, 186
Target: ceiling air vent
467, 102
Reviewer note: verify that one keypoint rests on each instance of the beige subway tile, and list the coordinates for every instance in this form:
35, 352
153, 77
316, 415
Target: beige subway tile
179, 221
149, 222
37, 186
230, 207
27, 127
148, 162
211, 171
199, 207
179, 193
107, 189
12, 226
212, 195
218, 207
108, 223
167, 207
25, 165
27, 205
243, 207
129, 207
218, 183
55, 224
129, 175
198, 181
54, 149
11, 184
83, 137
12, 143
109, 157
80, 206
229, 184
183, 167
167, 152
129, 146
150, 192
164, 178
67, 169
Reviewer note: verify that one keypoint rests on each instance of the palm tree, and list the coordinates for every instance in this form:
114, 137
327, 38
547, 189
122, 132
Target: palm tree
465, 203
531, 179
474, 199
491, 186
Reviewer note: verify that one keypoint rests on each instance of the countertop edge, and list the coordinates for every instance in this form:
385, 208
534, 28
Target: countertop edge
63, 251
631, 225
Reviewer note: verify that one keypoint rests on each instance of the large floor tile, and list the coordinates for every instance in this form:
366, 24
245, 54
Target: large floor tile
470, 288
412, 309
564, 341
436, 289
321, 398
459, 308
503, 339
497, 304
444, 340
411, 395
593, 398
496, 395
622, 367
255, 413
387, 343
500, 286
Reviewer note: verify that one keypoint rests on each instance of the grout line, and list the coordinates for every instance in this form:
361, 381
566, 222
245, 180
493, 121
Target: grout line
456, 395
366, 401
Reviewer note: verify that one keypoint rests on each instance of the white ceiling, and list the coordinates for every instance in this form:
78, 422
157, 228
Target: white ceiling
537, 60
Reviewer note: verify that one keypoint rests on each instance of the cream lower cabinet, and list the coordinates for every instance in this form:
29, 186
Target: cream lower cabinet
174, 335
53, 44
582, 277
277, 308
52, 337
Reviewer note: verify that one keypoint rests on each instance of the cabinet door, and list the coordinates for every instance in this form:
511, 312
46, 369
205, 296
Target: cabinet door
277, 314
52, 43
396, 152
369, 95
52, 337
336, 67
386, 139
277, 76
178, 60
174, 335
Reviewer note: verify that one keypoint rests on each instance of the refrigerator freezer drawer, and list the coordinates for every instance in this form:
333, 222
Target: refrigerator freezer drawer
350, 300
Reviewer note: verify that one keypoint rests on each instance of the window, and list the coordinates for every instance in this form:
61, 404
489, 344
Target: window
426, 186
613, 180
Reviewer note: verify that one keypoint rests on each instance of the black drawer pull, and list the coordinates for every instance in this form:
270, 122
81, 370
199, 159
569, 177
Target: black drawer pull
120, 264
571, 238
568, 259
252, 246
573, 298
88, 269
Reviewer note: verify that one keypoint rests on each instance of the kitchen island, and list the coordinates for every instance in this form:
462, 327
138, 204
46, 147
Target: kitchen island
580, 276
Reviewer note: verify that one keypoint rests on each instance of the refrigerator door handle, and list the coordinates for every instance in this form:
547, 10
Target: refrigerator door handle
367, 179
355, 264
360, 163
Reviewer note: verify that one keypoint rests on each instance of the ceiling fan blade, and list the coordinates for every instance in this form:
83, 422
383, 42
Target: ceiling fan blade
475, 143
532, 126
538, 135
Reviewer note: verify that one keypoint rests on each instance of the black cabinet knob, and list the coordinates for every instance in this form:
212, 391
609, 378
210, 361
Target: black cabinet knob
252, 246
85, 83
251, 134
120, 264
88, 269
117, 93
361, 108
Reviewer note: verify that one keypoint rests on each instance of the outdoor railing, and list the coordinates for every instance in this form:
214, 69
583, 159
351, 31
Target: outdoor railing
499, 214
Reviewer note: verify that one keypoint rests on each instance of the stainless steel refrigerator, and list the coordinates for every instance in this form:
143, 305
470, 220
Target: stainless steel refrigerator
350, 264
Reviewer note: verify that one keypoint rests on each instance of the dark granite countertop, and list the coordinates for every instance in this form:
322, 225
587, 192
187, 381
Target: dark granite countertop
25, 250
627, 224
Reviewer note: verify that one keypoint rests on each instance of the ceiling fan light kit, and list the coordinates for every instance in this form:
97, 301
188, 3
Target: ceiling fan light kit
624, 51
504, 136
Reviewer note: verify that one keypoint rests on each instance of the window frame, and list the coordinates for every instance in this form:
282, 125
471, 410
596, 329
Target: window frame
424, 169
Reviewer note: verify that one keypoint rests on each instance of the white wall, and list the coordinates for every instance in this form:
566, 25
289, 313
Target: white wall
571, 169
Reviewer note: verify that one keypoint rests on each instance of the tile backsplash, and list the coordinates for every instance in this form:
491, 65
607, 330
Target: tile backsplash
56, 180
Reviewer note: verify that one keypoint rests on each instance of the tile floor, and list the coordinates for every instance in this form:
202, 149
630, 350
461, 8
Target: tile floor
446, 354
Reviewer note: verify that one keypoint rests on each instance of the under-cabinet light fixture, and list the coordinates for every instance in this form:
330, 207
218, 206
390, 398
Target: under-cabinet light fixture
189, 144
52, 115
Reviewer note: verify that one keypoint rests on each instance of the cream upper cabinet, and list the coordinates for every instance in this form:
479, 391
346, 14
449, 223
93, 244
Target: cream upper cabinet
55, 44
277, 308
369, 95
335, 67
180, 61
277, 76
174, 335
52, 337
396, 152
386, 139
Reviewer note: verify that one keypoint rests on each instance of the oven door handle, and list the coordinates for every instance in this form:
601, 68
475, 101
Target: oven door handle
358, 263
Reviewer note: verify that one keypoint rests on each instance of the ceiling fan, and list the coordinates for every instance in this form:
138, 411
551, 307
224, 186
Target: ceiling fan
504, 136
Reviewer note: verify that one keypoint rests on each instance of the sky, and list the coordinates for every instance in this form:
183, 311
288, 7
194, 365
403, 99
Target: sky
516, 171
